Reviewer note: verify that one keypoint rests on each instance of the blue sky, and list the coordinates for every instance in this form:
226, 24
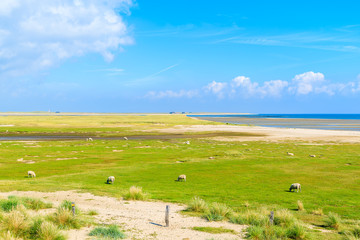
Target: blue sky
193, 56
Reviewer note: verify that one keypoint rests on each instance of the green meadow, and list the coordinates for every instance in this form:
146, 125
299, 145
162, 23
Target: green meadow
250, 173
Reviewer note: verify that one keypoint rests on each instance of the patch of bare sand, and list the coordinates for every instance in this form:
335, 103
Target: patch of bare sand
140, 220
61, 159
270, 134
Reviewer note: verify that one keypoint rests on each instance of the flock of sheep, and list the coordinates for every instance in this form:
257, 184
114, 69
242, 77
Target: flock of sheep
182, 177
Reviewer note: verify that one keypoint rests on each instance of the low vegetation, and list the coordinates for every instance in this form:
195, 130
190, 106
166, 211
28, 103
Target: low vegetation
214, 230
29, 203
136, 193
110, 232
18, 223
243, 175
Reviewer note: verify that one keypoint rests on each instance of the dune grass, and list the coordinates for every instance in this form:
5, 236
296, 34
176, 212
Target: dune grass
214, 230
136, 193
22, 222
110, 232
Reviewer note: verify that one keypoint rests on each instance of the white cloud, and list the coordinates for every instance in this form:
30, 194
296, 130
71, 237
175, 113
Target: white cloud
7, 6
216, 88
242, 87
36, 34
304, 83
172, 94
245, 87
274, 87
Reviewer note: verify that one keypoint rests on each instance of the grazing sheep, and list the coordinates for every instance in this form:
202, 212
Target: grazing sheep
211, 157
296, 186
182, 177
312, 155
290, 154
89, 139
110, 180
125, 138
31, 174
187, 142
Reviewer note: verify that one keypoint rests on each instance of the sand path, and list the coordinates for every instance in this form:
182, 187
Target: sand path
139, 219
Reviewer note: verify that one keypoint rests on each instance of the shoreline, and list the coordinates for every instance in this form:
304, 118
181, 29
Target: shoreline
270, 133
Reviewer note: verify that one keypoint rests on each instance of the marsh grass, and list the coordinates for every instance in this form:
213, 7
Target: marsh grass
218, 211
300, 206
110, 232
7, 235
30, 203
16, 222
296, 231
318, 212
136, 193
352, 234
333, 220
214, 230
34, 203
48, 231
251, 217
198, 205
9, 204
65, 219
284, 218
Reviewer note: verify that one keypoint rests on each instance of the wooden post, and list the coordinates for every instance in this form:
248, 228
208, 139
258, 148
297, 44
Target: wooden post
73, 207
271, 219
167, 212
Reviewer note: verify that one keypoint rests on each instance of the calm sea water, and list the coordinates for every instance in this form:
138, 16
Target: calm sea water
301, 116
349, 122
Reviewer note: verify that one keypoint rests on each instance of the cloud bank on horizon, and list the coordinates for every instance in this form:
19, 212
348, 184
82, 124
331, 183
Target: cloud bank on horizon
242, 86
38, 34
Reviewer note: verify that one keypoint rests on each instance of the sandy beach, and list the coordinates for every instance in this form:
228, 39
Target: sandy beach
271, 133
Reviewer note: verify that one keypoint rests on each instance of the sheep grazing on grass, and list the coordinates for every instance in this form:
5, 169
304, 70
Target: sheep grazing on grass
182, 178
31, 174
187, 142
125, 138
312, 155
89, 139
296, 186
110, 180
290, 154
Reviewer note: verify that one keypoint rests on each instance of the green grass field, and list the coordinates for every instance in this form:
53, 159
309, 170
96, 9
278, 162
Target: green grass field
259, 173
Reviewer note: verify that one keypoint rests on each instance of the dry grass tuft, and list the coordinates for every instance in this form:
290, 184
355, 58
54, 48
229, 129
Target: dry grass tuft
300, 206
136, 193
318, 211
198, 205
48, 231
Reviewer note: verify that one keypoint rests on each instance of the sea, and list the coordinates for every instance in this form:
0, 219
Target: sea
348, 122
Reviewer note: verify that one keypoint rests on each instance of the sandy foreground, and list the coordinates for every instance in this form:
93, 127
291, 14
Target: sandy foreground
139, 219
270, 133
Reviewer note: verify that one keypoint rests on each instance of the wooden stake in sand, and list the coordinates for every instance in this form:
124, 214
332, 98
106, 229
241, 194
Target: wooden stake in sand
73, 207
271, 219
167, 212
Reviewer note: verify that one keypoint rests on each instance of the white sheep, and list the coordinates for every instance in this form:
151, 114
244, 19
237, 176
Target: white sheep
312, 155
89, 139
182, 177
125, 138
110, 180
31, 174
290, 154
187, 142
296, 186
